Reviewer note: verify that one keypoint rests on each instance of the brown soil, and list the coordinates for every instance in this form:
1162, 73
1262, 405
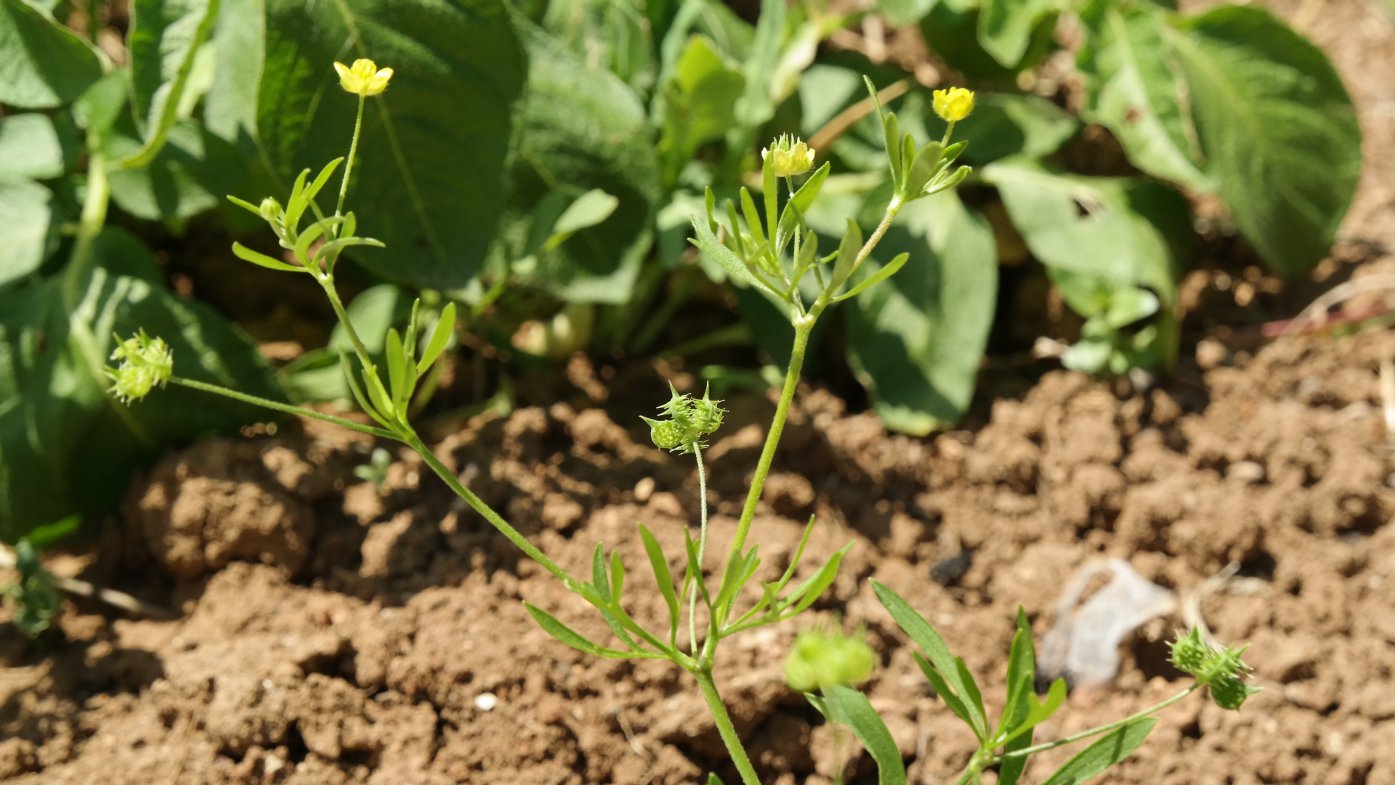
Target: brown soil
330, 633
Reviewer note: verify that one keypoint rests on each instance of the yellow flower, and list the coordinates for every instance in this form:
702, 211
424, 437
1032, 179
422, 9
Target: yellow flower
791, 156
364, 78
954, 104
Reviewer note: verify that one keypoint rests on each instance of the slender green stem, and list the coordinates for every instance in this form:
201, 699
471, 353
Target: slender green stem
893, 209
1025, 751
495, 520
327, 283
725, 728
349, 164
949, 131
701, 550
90, 224
802, 327
267, 403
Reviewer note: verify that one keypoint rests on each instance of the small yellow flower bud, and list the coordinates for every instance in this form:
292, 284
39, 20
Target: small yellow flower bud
789, 156
954, 104
365, 78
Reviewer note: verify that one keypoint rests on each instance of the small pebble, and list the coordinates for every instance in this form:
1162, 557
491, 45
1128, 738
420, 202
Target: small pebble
486, 701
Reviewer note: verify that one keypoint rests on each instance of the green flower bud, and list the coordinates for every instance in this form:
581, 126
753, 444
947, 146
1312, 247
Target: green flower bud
822, 659
788, 156
1221, 671
145, 363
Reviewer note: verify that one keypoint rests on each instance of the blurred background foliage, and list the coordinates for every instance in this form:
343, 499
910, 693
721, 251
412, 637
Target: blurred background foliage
537, 162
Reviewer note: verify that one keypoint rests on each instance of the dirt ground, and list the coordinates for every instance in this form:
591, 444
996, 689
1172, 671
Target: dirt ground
328, 631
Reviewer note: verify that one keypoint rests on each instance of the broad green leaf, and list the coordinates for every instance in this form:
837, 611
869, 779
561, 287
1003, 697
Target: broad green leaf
1278, 130
567, 635
54, 408
1133, 88
923, 634
581, 129
850, 708
614, 31
429, 182
916, 340
698, 103
239, 43
1116, 230
192, 173
26, 231
1109, 750
164, 40
1006, 28
43, 64
1098, 236
957, 33
905, 12
35, 146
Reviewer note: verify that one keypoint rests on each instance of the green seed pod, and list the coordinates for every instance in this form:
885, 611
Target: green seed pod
1189, 652
1221, 671
666, 434
1229, 692
707, 415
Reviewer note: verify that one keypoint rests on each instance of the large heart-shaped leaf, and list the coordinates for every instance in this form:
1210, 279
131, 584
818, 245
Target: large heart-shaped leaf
582, 129
1134, 89
65, 445
25, 228
164, 40
42, 64
916, 340
1277, 128
430, 179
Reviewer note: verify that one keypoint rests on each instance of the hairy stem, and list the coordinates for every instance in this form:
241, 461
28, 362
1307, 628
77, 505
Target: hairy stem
497, 521
725, 728
349, 164
702, 547
267, 403
1085, 734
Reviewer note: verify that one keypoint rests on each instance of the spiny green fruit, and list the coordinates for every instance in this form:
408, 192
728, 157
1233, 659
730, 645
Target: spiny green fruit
688, 421
1230, 693
666, 434
1221, 671
707, 414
